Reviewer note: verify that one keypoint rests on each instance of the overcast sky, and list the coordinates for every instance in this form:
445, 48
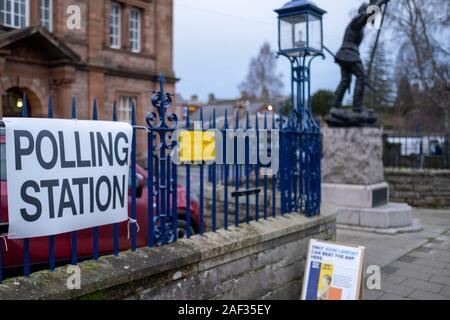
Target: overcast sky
215, 40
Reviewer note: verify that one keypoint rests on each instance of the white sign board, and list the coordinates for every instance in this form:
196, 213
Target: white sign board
333, 271
65, 175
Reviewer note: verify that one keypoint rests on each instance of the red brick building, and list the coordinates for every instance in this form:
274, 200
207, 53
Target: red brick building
112, 50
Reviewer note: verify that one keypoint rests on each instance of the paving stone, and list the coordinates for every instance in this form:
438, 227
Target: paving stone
372, 294
425, 255
446, 292
442, 252
426, 295
389, 296
422, 285
441, 280
431, 263
424, 249
443, 258
408, 259
387, 270
396, 289
437, 241
395, 278
434, 270
407, 266
443, 238
416, 274
436, 246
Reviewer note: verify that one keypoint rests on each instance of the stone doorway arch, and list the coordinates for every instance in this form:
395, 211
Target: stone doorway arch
12, 102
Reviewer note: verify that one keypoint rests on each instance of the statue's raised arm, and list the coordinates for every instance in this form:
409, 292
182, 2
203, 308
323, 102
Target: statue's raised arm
360, 21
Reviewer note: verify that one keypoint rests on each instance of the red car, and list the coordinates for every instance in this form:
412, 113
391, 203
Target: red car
39, 247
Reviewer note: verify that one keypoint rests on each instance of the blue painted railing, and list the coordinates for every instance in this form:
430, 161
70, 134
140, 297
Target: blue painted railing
256, 196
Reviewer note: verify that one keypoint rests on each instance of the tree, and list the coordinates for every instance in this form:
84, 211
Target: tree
321, 102
380, 93
421, 29
286, 107
405, 101
262, 82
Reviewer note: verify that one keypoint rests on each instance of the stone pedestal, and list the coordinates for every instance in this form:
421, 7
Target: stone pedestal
356, 196
352, 156
353, 181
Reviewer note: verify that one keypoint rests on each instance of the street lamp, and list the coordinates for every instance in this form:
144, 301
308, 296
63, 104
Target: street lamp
300, 39
300, 29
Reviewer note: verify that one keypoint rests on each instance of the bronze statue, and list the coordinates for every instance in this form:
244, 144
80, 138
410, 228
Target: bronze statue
349, 59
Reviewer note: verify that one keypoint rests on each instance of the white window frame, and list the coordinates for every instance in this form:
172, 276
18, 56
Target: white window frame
22, 14
125, 108
46, 6
134, 26
115, 25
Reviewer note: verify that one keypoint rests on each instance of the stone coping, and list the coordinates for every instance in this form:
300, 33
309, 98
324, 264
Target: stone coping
130, 268
417, 171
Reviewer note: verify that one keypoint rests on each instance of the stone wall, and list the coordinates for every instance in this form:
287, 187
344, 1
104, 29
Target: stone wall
263, 260
420, 188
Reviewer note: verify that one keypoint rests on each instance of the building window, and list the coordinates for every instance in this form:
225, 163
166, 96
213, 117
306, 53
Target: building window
47, 14
114, 25
14, 13
125, 107
135, 30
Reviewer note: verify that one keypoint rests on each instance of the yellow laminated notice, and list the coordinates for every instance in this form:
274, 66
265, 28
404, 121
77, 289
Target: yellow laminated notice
197, 146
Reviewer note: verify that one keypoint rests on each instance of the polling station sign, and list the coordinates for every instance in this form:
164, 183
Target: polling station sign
333, 271
66, 175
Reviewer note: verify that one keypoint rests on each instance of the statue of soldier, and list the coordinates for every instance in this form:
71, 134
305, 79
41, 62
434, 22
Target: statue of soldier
349, 59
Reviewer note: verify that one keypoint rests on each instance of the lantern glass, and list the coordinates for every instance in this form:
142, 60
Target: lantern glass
294, 34
315, 33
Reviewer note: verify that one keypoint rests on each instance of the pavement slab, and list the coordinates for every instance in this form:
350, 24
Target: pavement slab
414, 265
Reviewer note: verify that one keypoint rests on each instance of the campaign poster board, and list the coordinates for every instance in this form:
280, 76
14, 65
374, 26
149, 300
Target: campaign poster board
65, 175
333, 271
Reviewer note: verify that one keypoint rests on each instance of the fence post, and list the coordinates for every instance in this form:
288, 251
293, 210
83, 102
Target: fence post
133, 179
51, 239
150, 195
188, 186
236, 174
284, 176
274, 177
214, 182
265, 173
26, 242
226, 172
116, 225
202, 222
247, 170
256, 166
74, 234
174, 203
95, 231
